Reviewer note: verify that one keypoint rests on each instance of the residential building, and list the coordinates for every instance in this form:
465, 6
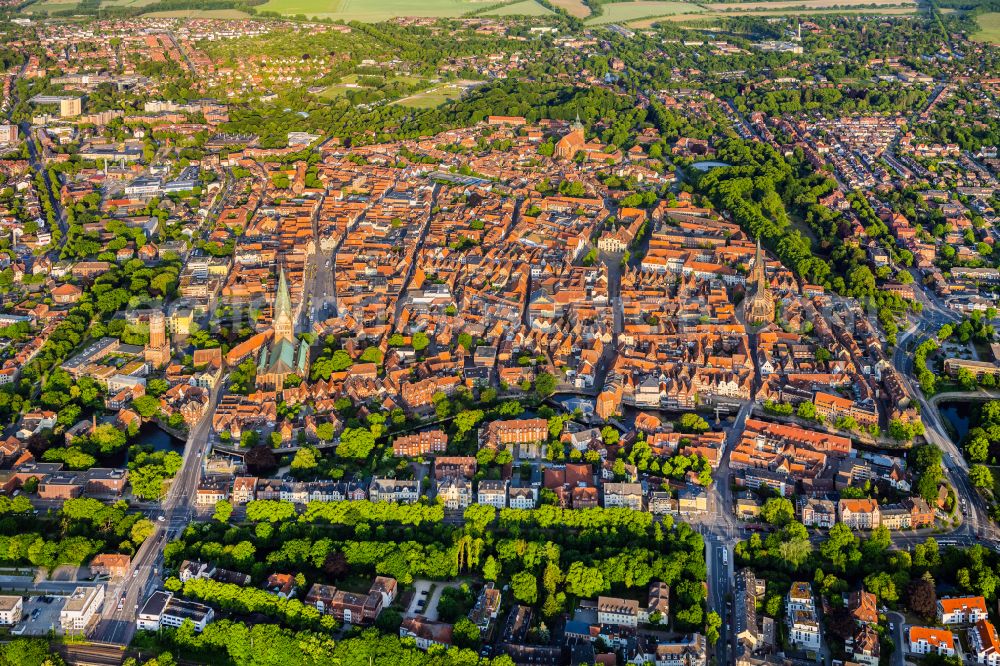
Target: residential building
961, 610
516, 431
658, 609
402, 491
818, 512
692, 499
109, 564
800, 612
865, 647
984, 644
421, 443
213, 489
859, 514
455, 492
11, 606
749, 589
191, 569
689, 651
928, 640
351, 608
493, 493
487, 607
163, 609
863, 607
244, 489
522, 498
426, 632
615, 611
628, 495
282, 585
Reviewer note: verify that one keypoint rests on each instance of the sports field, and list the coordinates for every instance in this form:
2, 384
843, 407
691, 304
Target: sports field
351, 82
372, 10
436, 96
989, 28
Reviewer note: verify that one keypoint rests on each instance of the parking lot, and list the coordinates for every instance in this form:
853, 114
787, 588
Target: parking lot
426, 596
39, 617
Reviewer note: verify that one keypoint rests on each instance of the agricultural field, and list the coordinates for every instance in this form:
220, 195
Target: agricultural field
523, 8
802, 8
575, 8
989, 28
199, 13
803, 4
623, 12
370, 10
63, 5
682, 18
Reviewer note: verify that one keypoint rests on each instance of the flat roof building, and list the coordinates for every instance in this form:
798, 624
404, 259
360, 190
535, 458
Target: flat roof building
80, 609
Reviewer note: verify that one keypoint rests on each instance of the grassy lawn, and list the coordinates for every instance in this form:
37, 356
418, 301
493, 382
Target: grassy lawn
989, 28
369, 10
523, 8
622, 12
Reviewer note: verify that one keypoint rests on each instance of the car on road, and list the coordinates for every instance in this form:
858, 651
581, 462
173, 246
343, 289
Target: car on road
892, 627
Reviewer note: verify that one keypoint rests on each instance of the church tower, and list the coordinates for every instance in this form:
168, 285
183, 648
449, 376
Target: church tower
284, 329
569, 145
759, 307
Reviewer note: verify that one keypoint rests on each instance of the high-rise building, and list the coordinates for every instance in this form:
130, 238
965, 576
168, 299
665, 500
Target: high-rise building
157, 352
8, 133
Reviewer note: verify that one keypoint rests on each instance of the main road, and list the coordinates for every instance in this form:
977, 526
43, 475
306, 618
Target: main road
124, 597
931, 318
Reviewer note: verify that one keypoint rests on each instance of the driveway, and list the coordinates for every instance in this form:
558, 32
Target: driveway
898, 654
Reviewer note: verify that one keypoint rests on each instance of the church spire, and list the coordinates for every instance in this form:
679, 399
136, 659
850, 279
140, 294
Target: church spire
759, 270
283, 310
